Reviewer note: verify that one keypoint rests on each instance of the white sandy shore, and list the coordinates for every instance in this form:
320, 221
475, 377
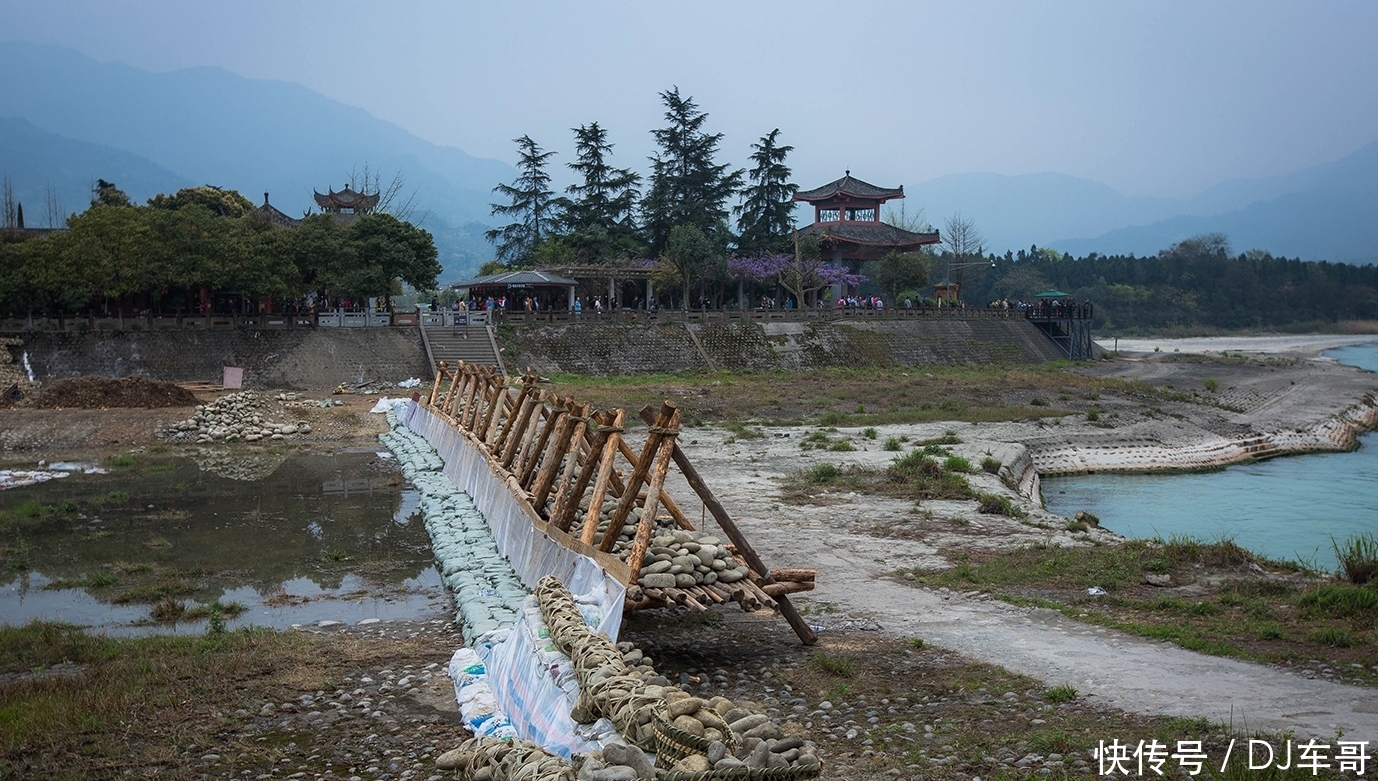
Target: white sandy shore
1311, 344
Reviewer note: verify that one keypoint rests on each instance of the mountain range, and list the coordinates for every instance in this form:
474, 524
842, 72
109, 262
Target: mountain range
66, 120
1327, 212
210, 126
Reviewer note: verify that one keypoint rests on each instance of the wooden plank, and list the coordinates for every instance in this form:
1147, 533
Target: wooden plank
753, 560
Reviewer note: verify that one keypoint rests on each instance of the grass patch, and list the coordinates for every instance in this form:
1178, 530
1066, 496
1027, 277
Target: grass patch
995, 504
1064, 693
125, 707
1358, 557
870, 432
740, 430
90, 580
990, 464
893, 443
833, 664
124, 461
957, 464
1274, 616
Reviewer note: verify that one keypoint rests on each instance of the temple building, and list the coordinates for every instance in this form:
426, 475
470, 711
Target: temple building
346, 205
846, 220
274, 215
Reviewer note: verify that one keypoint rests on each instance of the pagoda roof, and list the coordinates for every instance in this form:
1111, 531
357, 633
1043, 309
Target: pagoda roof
849, 185
869, 234
346, 199
518, 279
274, 215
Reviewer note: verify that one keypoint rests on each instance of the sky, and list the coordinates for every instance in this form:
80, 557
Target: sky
1161, 98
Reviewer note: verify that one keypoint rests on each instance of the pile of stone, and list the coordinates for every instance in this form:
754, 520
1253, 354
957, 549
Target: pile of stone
676, 558
234, 418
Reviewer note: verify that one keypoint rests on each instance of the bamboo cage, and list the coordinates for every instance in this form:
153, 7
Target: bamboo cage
566, 463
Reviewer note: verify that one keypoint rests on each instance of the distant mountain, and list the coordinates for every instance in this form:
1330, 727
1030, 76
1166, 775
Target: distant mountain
1065, 212
1329, 212
1013, 212
212, 126
33, 159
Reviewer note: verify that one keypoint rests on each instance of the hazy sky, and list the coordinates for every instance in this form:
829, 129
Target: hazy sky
1162, 98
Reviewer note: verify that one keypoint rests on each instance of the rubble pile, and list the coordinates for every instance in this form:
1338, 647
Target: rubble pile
108, 392
234, 418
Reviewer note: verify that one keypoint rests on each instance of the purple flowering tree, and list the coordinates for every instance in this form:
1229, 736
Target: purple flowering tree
799, 273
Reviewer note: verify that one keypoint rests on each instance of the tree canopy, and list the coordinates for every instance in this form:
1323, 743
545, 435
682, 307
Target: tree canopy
530, 203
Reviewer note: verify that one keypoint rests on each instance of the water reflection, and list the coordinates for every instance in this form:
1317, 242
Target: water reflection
295, 537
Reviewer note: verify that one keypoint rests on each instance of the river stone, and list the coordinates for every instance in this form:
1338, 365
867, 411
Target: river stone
731, 575
694, 763
658, 580
689, 724
655, 567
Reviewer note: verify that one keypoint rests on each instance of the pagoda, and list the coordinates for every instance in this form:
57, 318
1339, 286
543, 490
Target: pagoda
846, 220
346, 205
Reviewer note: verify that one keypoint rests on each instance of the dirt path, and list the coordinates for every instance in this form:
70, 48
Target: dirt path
856, 586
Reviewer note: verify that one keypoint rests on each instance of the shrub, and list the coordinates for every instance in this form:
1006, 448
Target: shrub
842, 446
1358, 557
870, 432
893, 443
822, 473
1092, 415
1211, 384
991, 464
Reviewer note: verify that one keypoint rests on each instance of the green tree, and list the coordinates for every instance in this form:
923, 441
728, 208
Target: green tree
766, 214
598, 215
387, 250
116, 250
687, 186
221, 203
689, 252
107, 194
530, 204
900, 271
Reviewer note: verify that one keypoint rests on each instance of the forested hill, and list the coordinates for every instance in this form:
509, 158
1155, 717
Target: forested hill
1196, 283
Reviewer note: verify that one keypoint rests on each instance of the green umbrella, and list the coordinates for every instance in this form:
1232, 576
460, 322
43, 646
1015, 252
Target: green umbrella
1053, 294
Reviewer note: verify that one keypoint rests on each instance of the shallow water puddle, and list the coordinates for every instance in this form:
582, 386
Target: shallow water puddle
271, 539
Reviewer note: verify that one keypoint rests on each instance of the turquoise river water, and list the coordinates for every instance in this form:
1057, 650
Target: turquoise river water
1286, 508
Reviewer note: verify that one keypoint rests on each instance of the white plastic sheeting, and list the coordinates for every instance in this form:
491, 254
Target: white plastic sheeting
533, 554
487, 548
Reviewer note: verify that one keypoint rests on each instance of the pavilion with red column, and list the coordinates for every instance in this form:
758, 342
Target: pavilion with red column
846, 220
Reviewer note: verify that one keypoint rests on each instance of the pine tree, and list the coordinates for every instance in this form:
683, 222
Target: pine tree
687, 187
766, 214
599, 214
531, 204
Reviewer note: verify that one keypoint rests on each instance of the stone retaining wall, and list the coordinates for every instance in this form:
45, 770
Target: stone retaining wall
615, 348
297, 358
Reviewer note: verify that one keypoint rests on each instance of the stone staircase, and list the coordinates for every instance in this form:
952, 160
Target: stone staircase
455, 343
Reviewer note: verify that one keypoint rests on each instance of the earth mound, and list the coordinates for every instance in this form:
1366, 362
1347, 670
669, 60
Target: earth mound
102, 392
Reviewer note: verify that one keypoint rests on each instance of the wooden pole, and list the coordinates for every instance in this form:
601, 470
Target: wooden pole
435, 387
497, 395
555, 456
553, 422
567, 501
753, 560
640, 468
653, 492
600, 489
671, 506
